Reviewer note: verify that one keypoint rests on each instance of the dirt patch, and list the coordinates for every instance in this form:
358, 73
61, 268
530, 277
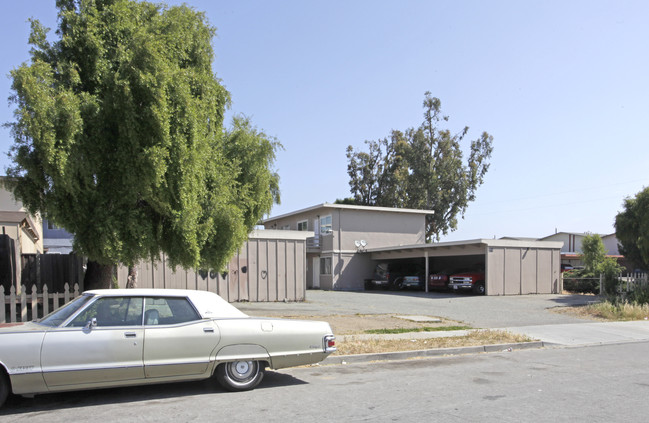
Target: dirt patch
353, 324
475, 338
359, 323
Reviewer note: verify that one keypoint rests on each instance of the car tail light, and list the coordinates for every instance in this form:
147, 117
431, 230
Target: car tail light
329, 343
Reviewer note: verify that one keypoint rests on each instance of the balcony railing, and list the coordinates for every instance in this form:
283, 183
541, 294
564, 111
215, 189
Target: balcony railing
314, 243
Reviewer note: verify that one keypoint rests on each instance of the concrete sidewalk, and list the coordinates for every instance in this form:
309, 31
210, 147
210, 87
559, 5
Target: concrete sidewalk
573, 334
582, 334
562, 335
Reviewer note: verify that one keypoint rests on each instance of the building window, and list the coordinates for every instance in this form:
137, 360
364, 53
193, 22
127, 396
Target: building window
302, 226
325, 225
325, 265
286, 228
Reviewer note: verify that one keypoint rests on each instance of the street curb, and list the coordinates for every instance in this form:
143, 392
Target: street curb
405, 355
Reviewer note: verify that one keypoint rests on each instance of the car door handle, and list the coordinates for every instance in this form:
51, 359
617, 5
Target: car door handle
130, 334
211, 330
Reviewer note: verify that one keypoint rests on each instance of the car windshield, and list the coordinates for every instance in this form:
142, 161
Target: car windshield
62, 314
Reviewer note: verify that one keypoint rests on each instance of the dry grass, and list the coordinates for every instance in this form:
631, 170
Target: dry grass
621, 311
607, 311
476, 338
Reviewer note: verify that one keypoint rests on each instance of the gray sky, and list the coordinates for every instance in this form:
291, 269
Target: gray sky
561, 85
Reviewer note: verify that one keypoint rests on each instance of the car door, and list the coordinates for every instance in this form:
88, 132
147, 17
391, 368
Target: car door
177, 341
107, 350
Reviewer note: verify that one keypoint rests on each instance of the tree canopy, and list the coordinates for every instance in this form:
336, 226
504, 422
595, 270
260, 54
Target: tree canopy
594, 252
119, 137
421, 168
632, 229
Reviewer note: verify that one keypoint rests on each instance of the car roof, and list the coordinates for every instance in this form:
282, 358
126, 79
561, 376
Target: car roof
208, 304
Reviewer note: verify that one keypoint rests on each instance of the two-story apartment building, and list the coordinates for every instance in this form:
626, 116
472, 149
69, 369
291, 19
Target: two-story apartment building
345, 243
342, 234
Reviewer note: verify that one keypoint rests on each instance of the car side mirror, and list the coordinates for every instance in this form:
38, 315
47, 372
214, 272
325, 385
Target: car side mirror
91, 323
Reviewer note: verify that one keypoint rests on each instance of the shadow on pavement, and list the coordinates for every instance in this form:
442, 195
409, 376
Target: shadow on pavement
16, 404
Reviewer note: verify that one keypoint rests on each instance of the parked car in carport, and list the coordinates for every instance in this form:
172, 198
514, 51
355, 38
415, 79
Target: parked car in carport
405, 282
439, 280
470, 280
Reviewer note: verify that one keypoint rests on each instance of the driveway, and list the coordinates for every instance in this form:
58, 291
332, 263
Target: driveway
477, 311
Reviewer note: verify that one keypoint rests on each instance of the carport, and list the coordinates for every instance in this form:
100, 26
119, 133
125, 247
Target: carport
512, 267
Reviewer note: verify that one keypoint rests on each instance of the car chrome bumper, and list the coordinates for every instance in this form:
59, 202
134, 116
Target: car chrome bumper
456, 286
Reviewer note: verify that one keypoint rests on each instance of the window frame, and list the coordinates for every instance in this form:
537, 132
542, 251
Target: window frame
326, 228
324, 269
304, 222
148, 302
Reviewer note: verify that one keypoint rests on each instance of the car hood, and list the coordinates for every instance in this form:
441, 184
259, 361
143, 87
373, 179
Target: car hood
21, 327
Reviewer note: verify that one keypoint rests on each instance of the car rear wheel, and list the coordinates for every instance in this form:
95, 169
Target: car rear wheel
240, 375
479, 288
4, 387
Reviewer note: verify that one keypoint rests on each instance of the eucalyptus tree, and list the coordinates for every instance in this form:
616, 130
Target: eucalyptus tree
119, 138
422, 168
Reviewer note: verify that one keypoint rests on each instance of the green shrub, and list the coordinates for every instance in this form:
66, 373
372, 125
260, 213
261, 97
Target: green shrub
639, 296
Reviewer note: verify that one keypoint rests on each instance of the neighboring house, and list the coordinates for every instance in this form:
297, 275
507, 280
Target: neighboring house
16, 222
571, 251
56, 240
341, 235
20, 233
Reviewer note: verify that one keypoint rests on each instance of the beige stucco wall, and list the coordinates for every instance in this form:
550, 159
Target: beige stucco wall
378, 227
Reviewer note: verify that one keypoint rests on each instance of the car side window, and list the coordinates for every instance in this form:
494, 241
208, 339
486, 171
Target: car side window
168, 311
112, 311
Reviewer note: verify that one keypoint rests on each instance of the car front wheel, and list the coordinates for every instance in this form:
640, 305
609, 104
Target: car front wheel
479, 288
240, 375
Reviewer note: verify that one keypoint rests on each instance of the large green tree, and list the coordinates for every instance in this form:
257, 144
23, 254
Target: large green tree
632, 229
421, 168
119, 138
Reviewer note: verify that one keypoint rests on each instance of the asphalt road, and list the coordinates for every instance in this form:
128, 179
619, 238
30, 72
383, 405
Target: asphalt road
478, 311
586, 384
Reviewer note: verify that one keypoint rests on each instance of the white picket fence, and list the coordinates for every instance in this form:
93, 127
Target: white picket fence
631, 281
23, 307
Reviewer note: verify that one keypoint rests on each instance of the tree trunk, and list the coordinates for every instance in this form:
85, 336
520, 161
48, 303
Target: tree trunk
131, 281
98, 276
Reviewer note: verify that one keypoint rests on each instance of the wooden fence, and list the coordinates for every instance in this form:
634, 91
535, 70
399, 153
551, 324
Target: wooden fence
51, 270
24, 306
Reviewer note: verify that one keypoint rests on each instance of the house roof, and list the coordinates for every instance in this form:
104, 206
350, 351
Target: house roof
22, 218
577, 234
348, 207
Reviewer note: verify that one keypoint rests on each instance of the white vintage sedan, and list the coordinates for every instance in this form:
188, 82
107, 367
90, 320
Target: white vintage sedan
120, 337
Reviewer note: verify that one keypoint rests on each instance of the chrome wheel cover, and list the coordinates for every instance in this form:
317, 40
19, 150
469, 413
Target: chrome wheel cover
242, 371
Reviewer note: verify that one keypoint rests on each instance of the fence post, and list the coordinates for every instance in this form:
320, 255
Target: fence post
12, 304
34, 302
23, 303
76, 290
4, 305
46, 301
66, 293
601, 284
